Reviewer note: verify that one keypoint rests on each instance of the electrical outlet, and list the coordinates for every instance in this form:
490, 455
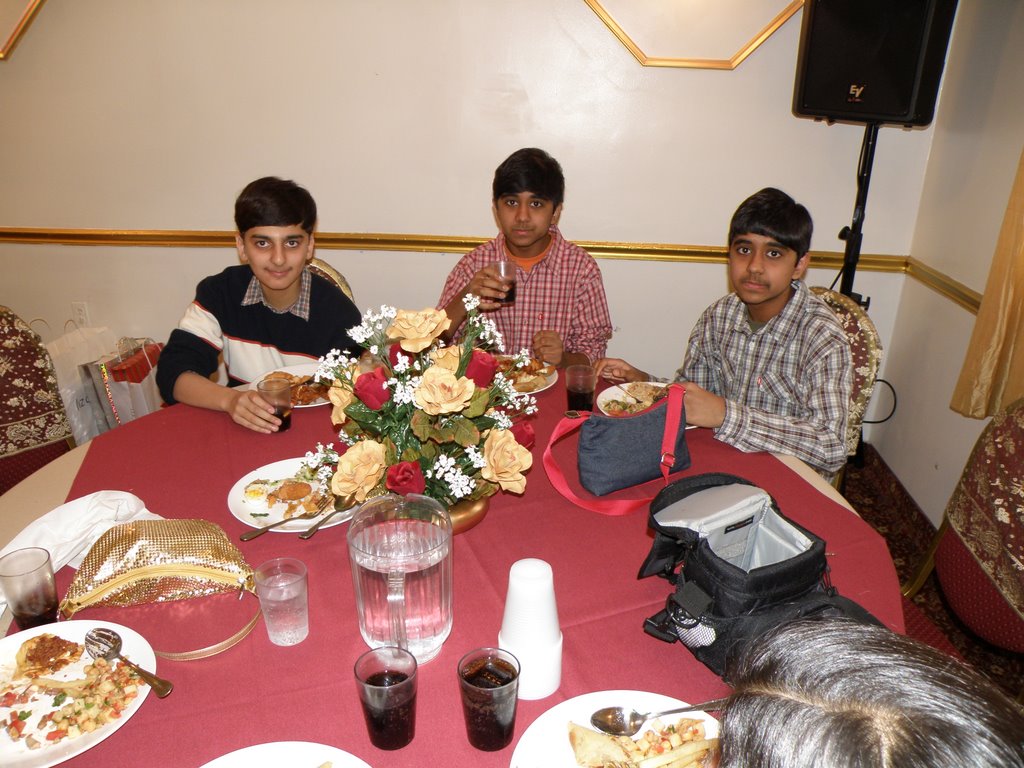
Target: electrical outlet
80, 313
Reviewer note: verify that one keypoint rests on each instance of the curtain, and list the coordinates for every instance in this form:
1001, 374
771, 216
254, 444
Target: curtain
992, 376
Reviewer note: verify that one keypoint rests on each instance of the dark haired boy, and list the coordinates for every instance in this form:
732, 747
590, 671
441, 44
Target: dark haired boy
267, 313
768, 367
560, 312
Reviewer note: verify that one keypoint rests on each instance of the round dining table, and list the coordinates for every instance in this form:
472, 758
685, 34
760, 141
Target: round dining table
183, 461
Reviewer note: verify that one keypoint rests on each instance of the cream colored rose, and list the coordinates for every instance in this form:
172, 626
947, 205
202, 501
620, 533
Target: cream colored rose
440, 392
341, 398
360, 469
415, 331
506, 461
448, 358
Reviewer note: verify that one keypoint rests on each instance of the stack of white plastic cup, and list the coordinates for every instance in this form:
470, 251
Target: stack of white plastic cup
530, 629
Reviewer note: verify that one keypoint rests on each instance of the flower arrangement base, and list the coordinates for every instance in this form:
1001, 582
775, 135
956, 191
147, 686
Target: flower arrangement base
467, 513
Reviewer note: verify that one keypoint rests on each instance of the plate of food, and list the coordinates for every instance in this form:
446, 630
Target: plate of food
281, 491
46, 675
527, 375
631, 397
306, 393
277, 753
562, 737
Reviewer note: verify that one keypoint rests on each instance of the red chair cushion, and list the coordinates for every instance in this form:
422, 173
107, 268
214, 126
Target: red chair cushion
14, 469
974, 599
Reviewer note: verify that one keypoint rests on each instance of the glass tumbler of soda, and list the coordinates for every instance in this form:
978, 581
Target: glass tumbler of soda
489, 682
26, 578
386, 679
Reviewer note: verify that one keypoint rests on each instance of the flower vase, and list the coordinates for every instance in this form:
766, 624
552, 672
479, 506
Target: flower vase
467, 513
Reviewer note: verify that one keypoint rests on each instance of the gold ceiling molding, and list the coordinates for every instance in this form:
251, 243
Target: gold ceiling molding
657, 61
21, 22
347, 241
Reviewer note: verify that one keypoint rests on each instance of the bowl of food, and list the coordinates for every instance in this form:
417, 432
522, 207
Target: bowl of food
631, 397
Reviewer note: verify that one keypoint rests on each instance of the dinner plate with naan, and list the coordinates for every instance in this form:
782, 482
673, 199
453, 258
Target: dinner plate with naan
546, 741
42, 670
530, 378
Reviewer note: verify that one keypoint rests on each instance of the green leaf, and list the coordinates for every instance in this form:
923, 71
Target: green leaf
443, 433
464, 431
421, 425
478, 404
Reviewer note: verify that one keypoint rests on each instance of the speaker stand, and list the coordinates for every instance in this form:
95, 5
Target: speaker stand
853, 233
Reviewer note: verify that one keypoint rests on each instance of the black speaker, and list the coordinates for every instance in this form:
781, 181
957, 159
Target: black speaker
872, 61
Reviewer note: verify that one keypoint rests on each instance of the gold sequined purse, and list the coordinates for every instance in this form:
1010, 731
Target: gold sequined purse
156, 561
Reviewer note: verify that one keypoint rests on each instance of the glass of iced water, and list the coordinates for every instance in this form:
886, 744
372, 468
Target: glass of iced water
282, 588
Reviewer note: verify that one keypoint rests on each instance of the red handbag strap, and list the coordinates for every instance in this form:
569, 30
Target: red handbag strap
615, 507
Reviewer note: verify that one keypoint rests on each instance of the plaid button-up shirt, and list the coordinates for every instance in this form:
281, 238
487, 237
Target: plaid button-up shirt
254, 295
563, 293
786, 385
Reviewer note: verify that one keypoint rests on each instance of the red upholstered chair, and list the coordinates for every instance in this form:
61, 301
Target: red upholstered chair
34, 427
978, 551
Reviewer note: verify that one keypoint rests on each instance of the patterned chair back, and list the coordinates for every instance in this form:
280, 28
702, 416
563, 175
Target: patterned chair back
980, 560
330, 274
866, 350
32, 417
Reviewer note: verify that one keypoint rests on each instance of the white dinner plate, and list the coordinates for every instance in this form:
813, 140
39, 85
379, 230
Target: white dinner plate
257, 515
15, 754
619, 392
549, 380
291, 753
303, 369
545, 744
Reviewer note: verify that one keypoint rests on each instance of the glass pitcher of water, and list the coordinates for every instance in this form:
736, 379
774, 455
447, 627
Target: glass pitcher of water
400, 549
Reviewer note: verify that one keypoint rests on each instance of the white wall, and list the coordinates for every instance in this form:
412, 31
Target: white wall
978, 137
123, 114
128, 115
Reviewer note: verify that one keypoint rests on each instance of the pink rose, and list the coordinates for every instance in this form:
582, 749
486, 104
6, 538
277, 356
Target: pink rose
523, 432
371, 388
481, 368
405, 477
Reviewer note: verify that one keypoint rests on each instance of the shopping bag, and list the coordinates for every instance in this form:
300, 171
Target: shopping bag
125, 381
69, 352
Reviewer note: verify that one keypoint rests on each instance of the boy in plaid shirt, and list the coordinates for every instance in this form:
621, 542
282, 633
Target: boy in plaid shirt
767, 367
559, 311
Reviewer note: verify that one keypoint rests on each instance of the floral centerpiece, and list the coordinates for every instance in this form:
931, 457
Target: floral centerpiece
423, 417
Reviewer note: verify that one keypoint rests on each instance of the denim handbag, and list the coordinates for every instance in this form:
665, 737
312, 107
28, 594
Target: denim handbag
617, 452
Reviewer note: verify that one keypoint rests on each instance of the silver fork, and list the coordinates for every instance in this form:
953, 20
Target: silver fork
321, 505
340, 505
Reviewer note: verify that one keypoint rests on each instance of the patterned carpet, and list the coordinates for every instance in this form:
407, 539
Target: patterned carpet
876, 493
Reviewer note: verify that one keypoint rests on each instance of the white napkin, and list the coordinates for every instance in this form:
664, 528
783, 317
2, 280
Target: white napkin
68, 531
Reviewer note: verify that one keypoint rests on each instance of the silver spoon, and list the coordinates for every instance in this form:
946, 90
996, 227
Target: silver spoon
619, 721
103, 643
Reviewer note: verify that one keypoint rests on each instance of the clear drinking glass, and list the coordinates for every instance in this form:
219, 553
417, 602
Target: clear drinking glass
282, 587
489, 683
386, 679
26, 577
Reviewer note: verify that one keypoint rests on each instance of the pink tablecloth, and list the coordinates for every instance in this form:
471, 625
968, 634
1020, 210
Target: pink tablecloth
182, 462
